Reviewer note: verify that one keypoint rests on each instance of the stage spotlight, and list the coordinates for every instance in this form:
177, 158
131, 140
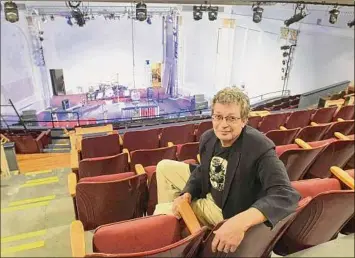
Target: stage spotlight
149, 20
285, 54
52, 17
197, 12
296, 18
212, 13
44, 19
283, 62
258, 13
78, 16
351, 23
285, 47
11, 12
141, 11
333, 15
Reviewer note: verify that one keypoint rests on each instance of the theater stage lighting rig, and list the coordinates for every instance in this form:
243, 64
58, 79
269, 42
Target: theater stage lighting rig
297, 16
257, 13
333, 15
11, 12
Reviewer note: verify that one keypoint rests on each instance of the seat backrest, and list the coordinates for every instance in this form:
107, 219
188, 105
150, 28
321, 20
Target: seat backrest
152, 157
188, 151
103, 165
201, 128
323, 115
171, 245
258, 240
345, 112
100, 146
320, 220
145, 139
272, 122
297, 161
312, 133
336, 153
300, 118
343, 127
100, 202
25, 144
282, 137
177, 134
254, 121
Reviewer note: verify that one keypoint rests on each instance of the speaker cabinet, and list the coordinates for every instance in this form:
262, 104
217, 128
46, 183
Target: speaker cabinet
57, 79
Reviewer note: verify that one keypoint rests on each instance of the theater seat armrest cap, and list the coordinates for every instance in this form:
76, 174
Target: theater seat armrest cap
341, 136
189, 217
139, 169
283, 128
129, 156
77, 239
303, 144
343, 176
72, 184
170, 144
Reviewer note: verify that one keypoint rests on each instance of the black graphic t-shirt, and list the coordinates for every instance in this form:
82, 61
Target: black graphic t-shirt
218, 170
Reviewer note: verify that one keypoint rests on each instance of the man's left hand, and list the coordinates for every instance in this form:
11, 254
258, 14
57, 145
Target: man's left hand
228, 237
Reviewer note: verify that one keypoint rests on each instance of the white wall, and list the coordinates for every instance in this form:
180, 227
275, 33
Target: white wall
324, 53
20, 78
95, 53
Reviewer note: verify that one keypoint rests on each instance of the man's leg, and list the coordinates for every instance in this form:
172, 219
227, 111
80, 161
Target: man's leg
171, 179
207, 211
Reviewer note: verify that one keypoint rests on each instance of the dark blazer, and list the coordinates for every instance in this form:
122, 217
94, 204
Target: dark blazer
255, 177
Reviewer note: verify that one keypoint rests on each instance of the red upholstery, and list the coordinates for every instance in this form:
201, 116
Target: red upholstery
154, 236
312, 133
349, 228
299, 118
177, 134
343, 127
152, 157
312, 187
26, 144
254, 121
336, 153
272, 122
187, 151
323, 115
345, 112
282, 148
321, 220
107, 178
282, 137
103, 165
145, 139
203, 127
297, 161
258, 240
100, 202
190, 161
100, 146
322, 142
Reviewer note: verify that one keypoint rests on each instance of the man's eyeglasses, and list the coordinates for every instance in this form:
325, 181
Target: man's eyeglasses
229, 119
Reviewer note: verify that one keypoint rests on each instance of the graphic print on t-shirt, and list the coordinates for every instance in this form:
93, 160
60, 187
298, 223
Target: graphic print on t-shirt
218, 169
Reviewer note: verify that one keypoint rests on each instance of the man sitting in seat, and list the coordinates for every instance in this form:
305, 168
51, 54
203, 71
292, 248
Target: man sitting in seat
240, 177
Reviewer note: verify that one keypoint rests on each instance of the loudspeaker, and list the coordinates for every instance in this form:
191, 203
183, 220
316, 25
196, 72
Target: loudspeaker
57, 79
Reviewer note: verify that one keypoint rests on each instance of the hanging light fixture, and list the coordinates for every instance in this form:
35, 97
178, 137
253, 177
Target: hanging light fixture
297, 16
197, 12
11, 12
257, 13
212, 13
141, 11
333, 15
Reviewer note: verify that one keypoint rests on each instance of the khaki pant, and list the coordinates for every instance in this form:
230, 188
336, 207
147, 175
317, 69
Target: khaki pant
171, 179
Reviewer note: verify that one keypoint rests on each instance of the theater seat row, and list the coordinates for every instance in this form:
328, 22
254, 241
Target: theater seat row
165, 236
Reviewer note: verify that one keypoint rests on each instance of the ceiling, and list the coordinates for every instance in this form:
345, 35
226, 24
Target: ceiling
214, 2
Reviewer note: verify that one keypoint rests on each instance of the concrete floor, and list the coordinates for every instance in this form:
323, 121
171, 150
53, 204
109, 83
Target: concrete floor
49, 219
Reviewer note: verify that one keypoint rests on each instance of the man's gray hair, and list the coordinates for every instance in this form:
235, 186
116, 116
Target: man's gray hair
232, 95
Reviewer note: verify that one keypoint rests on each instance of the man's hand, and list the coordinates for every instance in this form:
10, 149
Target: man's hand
186, 197
228, 237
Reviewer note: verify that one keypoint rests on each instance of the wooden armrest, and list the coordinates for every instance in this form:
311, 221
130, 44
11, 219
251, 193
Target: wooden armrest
129, 156
340, 120
72, 184
341, 136
303, 144
139, 169
283, 128
188, 216
4, 138
170, 144
66, 131
314, 124
77, 239
120, 140
343, 176
199, 158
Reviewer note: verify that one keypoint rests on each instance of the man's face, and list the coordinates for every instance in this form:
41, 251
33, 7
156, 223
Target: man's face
227, 123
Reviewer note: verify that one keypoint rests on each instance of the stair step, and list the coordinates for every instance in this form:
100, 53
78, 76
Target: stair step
61, 141
56, 150
58, 146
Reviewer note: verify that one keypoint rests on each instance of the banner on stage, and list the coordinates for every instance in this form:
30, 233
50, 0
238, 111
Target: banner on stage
156, 74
